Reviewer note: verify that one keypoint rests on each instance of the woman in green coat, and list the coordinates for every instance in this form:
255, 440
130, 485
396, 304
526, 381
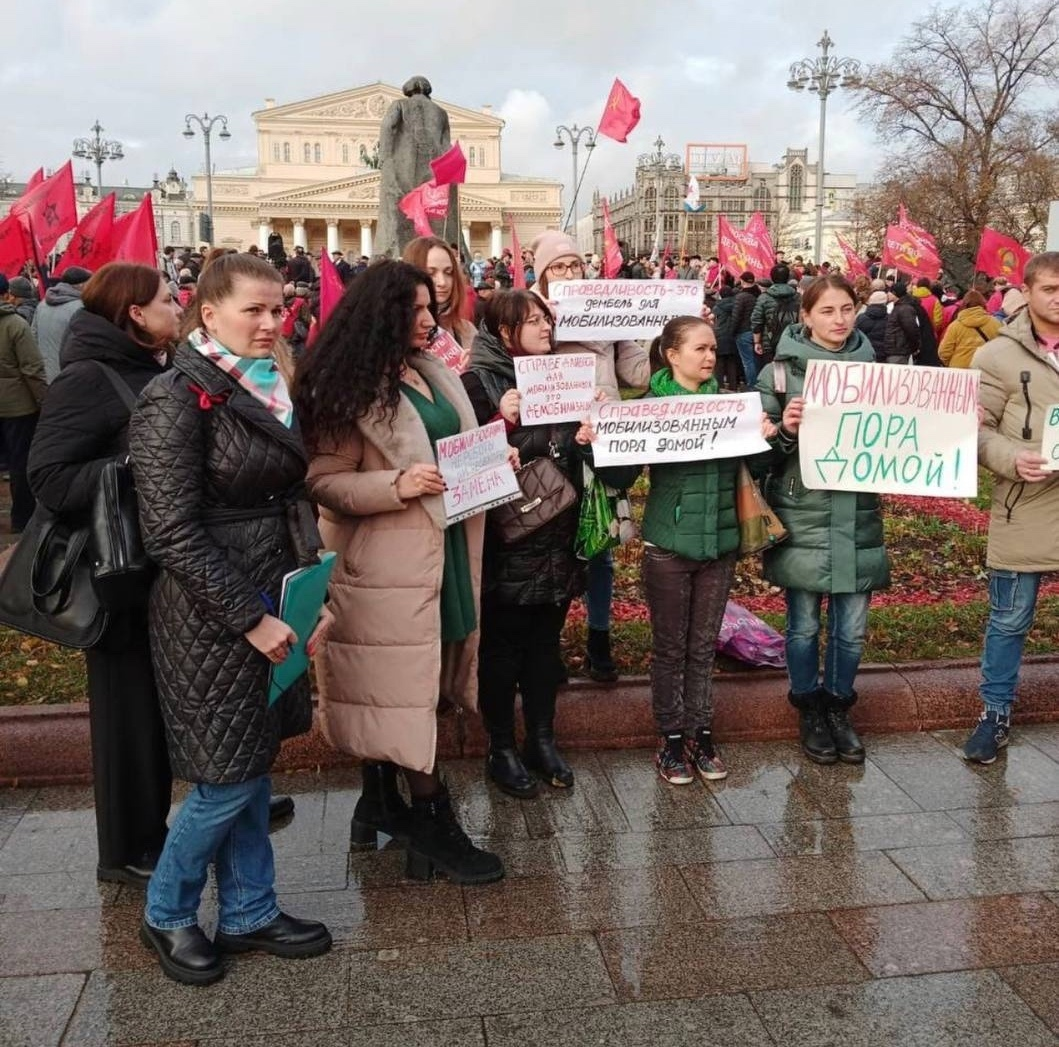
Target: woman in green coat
835, 544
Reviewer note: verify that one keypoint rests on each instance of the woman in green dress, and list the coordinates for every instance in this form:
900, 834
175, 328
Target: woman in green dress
372, 404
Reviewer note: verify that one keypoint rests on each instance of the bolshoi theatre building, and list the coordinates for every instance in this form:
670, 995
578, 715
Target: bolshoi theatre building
315, 183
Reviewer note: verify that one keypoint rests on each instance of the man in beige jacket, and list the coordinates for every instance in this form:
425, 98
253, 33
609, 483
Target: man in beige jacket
1020, 380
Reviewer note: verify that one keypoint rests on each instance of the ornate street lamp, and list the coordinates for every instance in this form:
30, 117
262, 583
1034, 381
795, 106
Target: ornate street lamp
98, 149
206, 123
574, 134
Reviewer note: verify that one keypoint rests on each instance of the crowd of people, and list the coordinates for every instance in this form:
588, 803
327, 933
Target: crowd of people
256, 444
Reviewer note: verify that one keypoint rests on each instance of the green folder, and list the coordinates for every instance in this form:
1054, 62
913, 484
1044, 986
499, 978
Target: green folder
300, 602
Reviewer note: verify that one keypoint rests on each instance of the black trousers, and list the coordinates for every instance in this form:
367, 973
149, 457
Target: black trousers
16, 435
130, 762
518, 651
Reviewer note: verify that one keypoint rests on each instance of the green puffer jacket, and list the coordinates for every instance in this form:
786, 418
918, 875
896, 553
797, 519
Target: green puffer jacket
836, 537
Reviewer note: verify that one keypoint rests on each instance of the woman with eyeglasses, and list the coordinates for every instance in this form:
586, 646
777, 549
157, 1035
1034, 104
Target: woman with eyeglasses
557, 258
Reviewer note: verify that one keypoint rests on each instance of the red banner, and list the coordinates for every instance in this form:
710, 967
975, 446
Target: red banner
450, 168
854, 264
92, 243
740, 251
1000, 255
331, 289
15, 247
905, 251
135, 237
611, 251
621, 113
518, 267
758, 227
49, 210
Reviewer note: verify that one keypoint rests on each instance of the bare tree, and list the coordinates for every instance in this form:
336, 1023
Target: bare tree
966, 106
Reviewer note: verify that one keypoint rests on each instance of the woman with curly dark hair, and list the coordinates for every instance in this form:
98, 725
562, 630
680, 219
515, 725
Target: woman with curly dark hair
372, 405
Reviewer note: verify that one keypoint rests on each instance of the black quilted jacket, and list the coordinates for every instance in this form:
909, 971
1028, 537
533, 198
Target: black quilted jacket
218, 480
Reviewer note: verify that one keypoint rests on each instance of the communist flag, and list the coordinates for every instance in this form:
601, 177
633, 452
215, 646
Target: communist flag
1000, 255
905, 251
35, 179
854, 265
621, 113
758, 242
917, 230
50, 209
518, 267
15, 246
739, 250
92, 243
135, 237
331, 289
611, 251
450, 168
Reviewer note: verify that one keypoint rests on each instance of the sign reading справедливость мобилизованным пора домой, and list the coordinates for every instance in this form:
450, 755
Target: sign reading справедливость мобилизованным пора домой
607, 310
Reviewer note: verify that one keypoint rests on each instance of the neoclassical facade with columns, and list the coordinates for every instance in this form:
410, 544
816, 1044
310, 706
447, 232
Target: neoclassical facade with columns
315, 185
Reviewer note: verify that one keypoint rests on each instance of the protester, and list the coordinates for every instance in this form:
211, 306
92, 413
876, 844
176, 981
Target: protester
723, 324
774, 311
930, 303
219, 466
872, 323
53, 316
185, 288
558, 258
405, 592
1019, 383
24, 297
903, 327
441, 263
526, 587
128, 323
968, 331
835, 538
745, 299
299, 267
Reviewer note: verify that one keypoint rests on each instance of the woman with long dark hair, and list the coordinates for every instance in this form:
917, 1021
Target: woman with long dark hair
373, 404
123, 334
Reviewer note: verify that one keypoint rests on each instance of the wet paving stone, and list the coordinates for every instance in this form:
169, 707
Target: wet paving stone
466, 1032
1006, 823
873, 833
71, 890
34, 1011
1038, 986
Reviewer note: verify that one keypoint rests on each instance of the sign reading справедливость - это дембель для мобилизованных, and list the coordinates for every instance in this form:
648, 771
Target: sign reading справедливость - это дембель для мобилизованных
608, 310
476, 471
890, 429
689, 428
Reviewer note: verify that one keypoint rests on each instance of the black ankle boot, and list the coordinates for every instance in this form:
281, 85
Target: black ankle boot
541, 756
599, 663
813, 730
847, 741
381, 808
504, 767
437, 843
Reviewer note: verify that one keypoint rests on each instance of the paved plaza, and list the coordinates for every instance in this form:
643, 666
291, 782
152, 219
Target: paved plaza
914, 900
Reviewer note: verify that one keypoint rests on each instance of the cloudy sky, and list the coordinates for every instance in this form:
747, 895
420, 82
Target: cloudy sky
704, 71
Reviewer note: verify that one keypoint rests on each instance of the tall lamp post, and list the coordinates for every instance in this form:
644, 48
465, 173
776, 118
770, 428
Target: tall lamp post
657, 163
574, 134
206, 123
98, 149
822, 76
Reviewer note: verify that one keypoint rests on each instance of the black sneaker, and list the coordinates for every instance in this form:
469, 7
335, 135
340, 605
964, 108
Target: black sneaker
670, 761
988, 738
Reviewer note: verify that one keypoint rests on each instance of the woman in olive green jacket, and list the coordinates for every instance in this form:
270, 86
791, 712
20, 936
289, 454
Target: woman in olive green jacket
835, 543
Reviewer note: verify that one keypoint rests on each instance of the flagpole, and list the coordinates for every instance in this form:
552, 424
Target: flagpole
577, 190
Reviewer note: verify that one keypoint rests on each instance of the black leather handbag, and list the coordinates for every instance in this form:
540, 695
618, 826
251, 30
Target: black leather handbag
46, 587
546, 493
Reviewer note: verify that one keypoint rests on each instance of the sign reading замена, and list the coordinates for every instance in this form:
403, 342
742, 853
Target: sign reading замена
890, 429
476, 470
610, 310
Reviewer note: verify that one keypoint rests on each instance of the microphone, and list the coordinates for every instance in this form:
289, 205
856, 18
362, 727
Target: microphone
1024, 378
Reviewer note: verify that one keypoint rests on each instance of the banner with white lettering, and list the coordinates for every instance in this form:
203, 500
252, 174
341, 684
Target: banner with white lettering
476, 471
447, 350
555, 388
890, 429
676, 429
611, 310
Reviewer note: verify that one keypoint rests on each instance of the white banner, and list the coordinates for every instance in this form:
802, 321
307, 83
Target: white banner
555, 388
611, 310
688, 428
476, 471
1050, 441
890, 429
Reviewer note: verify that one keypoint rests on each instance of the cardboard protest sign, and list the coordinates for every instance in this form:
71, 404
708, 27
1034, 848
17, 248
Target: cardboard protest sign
689, 428
1050, 442
447, 350
476, 471
555, 388
890, 429
608, 310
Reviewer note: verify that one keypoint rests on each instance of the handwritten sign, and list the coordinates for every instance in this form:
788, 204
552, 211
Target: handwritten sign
447, 350
890, 429
1050, 443
476, 471
605, 310
555, 388
677, 429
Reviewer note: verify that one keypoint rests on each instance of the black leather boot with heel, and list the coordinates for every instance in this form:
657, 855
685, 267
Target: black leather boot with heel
380, 809
438, 844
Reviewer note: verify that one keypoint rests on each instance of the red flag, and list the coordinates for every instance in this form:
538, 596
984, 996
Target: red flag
917, 230
611, 251
904, 250
518, 274
1000, 255
740, 251
621, 113
450, 168
854, 265
412, 207
757, 226
15, 246
331, 289
758, 244
134, 236
92, 243
34, 180
50, 209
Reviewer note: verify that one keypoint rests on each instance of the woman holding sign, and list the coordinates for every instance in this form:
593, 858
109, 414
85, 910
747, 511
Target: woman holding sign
527, 586
373, 402
835, 544
454, 331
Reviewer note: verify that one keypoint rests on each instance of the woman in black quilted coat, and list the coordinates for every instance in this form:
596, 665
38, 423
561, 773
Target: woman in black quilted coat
219, 467
527, 586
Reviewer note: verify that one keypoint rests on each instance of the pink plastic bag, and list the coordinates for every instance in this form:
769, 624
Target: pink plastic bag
745, 636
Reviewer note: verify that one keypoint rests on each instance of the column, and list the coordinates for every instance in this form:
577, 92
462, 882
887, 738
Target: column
467, 237
496, 244
264, 231
299, 233
366, 248
332, 236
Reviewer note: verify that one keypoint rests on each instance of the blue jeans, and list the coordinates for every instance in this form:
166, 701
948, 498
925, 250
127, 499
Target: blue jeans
600, 591
745, 344
1012, 601
228, 825
847, 620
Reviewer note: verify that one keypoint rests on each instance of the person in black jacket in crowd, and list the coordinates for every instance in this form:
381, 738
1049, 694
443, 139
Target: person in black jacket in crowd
220, 470
724, 328
128, 324
745, 299
527, 586
872, 323
909, 332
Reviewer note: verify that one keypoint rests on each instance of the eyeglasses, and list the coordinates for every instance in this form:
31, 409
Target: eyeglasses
566, 267
535, 321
